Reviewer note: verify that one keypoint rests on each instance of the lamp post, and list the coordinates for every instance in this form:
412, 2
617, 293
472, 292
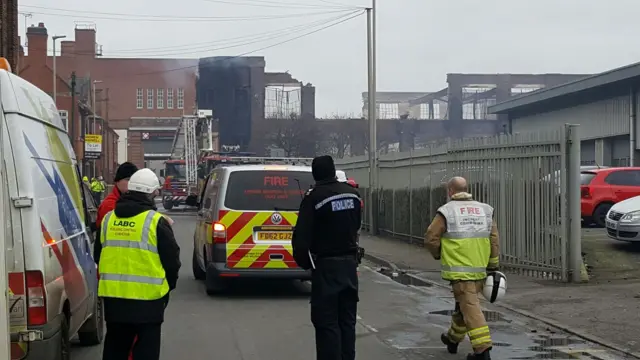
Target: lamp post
372, 116
93, 122
55, 75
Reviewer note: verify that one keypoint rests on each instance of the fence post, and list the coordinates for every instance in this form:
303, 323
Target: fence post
573, 203
410, 197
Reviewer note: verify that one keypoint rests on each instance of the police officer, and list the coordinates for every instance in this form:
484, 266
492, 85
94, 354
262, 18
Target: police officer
325, 240
138, 264
464, 237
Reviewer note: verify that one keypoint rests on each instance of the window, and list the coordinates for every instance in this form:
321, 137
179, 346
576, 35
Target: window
180, 98
160, 101
139, 99
624, 178
64, 116
586, 177
150, 99
267, 190
169, 98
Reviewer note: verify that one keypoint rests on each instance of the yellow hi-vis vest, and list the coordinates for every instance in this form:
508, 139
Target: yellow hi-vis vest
130, 266
466, 247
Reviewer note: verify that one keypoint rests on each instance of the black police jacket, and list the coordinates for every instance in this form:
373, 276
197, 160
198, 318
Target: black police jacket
328, 223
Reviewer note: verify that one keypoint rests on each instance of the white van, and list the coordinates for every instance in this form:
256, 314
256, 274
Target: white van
52, 275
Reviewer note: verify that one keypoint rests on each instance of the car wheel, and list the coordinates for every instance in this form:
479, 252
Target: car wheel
65, 342
92, 331
198, 273
214, 284
600, 213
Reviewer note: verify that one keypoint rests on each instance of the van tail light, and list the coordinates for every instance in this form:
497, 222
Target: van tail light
585, 192
219, 232
37, 298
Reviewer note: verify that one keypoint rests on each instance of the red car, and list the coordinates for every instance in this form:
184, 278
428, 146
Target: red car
601, 188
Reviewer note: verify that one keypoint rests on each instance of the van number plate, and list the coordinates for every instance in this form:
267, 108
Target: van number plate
274, 235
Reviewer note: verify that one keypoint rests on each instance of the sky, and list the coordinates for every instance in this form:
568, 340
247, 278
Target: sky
418, 41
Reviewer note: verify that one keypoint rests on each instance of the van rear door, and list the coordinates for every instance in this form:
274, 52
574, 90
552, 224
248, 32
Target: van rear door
262, 209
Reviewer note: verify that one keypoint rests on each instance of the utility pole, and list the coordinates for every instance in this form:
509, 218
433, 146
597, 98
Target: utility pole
95, 110
55, 75
373, 143
26, 15
72, 121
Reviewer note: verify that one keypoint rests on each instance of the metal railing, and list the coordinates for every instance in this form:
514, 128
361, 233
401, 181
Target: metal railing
525, 177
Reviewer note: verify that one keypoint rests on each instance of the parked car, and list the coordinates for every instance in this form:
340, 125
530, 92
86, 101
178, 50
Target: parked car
600, 189
623, 220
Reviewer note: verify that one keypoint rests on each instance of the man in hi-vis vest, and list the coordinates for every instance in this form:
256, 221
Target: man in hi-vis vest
138, 265
464, 237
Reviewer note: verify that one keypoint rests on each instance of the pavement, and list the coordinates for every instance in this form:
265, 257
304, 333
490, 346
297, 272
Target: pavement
606, 309
398, 320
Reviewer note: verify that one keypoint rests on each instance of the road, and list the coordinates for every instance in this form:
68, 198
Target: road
270, 321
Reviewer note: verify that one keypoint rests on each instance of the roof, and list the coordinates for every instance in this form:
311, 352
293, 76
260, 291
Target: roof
258, 167
607, 78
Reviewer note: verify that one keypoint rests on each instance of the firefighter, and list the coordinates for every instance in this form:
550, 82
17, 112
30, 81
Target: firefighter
464, 237
138, 266
325, 240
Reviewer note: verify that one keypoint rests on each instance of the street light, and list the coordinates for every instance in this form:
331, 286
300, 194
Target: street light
372, 115
55, 75
93, 123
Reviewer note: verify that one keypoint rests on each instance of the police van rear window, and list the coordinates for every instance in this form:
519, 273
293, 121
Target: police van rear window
267, 190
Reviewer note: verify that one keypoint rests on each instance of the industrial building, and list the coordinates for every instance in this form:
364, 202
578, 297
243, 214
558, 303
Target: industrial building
605, 105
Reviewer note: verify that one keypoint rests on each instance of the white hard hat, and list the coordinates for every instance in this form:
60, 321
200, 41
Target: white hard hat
495, 286
341, 176
144, 181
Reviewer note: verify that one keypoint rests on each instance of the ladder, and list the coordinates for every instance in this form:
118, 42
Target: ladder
177, 147
189, 124
259, 160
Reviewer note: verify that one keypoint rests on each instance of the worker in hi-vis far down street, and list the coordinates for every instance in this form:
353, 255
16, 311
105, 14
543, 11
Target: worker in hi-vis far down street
325, 240
464, 237
138, 264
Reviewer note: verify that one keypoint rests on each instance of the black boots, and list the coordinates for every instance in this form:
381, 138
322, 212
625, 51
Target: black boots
452, 347
485, 355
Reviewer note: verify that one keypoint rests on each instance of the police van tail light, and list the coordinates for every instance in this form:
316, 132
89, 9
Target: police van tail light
219, 233
37, 298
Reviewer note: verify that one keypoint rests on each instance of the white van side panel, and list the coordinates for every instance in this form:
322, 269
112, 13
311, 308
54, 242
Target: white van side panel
13, 233
56, 241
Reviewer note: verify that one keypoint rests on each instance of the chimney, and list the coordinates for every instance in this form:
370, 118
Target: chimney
67, 48
37, 38
85, 44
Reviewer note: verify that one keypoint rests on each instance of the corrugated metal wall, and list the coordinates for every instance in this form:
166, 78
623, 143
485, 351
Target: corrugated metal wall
599, 119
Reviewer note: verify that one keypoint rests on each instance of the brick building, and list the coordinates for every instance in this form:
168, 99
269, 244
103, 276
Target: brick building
36, 69
142, 99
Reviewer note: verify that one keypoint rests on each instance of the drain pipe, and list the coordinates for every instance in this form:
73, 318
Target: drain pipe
632, 125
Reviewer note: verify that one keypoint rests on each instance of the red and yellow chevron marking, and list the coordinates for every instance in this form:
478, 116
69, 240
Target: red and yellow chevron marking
243, 252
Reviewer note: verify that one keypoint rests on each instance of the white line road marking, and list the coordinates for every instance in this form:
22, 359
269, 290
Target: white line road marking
368, 327
416, 347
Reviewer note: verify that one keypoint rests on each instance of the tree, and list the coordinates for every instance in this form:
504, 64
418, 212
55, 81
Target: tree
296, 136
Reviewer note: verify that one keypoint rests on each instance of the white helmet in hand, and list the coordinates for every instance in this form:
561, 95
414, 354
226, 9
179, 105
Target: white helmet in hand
144, 181
495, 286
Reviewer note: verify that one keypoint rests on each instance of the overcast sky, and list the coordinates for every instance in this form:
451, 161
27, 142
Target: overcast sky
419, 41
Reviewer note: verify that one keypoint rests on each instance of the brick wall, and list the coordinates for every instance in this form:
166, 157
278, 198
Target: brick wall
136, 151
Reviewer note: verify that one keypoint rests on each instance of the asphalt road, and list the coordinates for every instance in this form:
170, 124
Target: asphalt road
270, 321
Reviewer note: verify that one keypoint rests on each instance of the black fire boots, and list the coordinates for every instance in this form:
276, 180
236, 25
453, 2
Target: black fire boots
452, 347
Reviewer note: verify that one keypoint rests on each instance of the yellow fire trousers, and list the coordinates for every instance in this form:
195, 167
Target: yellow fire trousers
467, 318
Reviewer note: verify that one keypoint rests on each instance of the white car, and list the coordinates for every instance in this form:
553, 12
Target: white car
623, 220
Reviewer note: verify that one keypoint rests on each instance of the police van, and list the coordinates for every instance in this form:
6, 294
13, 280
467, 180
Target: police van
246, 215
52, 276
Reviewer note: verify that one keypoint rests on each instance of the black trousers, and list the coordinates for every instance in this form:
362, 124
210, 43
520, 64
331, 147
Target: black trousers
334, 307
120, 338
97, 196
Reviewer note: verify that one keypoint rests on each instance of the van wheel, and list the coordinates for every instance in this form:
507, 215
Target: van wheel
214, 284
65, 341
198, 273
92, 331
600, 213
168, 205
